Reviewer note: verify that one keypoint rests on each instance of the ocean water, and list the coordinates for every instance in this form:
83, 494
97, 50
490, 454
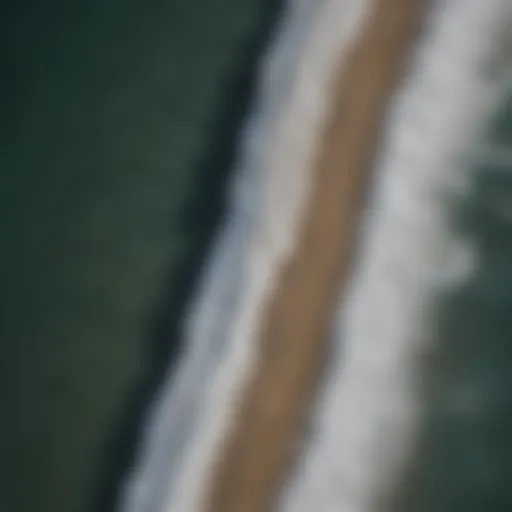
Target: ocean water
118, 127
122, 124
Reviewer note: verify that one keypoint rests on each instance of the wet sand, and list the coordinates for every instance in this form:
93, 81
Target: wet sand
252, 462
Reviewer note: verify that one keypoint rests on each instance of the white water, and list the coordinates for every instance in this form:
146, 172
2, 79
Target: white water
175, 415
288, 162
366, 422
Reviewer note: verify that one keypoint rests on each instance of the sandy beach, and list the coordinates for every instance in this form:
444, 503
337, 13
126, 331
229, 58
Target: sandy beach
292, 344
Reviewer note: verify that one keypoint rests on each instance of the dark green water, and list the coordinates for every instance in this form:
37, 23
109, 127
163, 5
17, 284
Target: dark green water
117, 132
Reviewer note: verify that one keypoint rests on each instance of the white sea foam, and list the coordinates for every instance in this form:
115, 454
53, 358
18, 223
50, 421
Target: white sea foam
365, 423
174, 416
288, 162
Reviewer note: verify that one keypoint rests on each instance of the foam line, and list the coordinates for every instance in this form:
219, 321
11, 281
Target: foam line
285, 189
365, 425
172, 418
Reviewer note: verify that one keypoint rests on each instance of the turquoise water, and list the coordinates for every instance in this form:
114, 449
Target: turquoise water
117, 133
